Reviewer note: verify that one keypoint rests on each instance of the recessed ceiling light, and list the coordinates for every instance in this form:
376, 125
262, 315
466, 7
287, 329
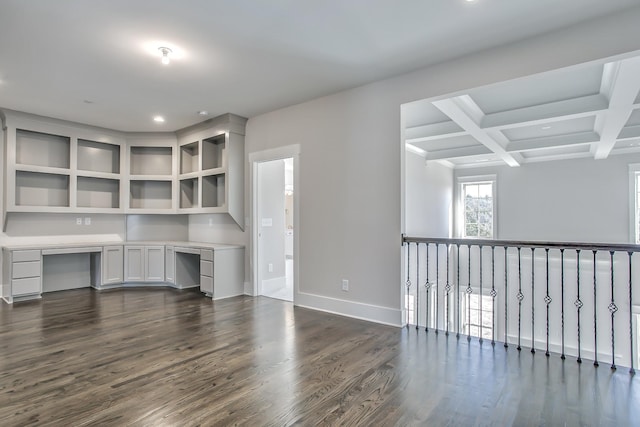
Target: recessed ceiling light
165, 51
546, 127
158, 119
203, 113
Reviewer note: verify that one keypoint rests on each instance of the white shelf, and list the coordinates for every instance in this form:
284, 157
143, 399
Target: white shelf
98, 157
214, 152
213, 191
41, 189
42, 149
98, 193
149, 160
189, 193
150, 195
57, 166
189, 158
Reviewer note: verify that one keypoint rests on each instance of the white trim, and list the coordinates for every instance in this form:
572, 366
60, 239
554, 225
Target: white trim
459, 202
357, 310
279, 153
634, 169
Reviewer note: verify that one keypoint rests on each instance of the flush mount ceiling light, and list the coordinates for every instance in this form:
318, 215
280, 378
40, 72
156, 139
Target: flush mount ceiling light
158, 119
165, 51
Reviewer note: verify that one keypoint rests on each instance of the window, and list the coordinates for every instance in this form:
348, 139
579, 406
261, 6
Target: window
477, 204
480, 309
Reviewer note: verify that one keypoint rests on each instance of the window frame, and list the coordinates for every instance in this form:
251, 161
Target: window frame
460, 225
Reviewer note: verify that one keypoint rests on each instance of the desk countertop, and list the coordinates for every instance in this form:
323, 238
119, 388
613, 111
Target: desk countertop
87, 245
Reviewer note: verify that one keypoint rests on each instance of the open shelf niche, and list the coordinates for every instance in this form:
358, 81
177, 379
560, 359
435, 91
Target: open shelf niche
98, 193
41, 149
98, 157
188, 193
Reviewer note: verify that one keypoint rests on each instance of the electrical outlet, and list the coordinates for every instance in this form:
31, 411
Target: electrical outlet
345, 285
270, 268
87, 220
78, 221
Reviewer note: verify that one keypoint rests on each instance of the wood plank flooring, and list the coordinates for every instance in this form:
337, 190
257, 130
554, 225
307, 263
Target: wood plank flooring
163, 357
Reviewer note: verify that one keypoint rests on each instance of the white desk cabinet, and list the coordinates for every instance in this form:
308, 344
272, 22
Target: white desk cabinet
112, 265
22, 274
217, 269
144, 263
169, 264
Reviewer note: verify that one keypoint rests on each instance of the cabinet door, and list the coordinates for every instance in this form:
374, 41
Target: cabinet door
134, 257
170, 264
154, 263
112, 265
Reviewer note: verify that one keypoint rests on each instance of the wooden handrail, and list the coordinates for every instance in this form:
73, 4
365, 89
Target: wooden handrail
622, 247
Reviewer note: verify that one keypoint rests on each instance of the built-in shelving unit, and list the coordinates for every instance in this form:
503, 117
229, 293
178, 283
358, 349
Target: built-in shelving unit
212, 167
57, 166
152, 169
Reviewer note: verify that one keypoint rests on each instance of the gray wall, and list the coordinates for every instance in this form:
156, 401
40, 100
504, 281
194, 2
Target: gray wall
581, 200
428, 198
351, 161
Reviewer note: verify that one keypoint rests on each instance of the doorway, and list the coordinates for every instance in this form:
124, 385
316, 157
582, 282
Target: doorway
274, 233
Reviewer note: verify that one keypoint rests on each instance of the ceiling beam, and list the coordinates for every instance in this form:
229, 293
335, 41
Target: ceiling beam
454, 153
574, 108
466, 114
552, 141
620, 84
432, 131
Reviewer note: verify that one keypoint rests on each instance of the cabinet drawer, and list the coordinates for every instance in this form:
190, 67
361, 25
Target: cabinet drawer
25, 269
19, 256
206, 255
206, 284
206, 268
25, 286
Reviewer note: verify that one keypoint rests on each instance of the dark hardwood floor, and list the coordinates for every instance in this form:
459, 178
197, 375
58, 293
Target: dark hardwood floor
162, 357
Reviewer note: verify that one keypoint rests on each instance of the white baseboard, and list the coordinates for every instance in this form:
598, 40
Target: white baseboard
356, 310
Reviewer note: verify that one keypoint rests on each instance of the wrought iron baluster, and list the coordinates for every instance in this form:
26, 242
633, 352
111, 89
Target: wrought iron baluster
578, 303
458, 291
427, 286
631, 370
408, 283
595, 310
417, 316
493, 296
447, 288
533, 301
469, 291
612, 309
547, 299
562, 356
506, 297
480, 295
437, 285
520, 297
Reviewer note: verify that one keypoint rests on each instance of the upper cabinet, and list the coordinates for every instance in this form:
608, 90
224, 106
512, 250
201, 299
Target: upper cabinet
54, 166
57, 166
211, 176
151, 174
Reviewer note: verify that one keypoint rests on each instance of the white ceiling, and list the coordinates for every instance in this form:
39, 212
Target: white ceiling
86, 61
584, 111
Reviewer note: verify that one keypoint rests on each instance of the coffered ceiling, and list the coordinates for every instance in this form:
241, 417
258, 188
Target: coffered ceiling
97, 61
584, 111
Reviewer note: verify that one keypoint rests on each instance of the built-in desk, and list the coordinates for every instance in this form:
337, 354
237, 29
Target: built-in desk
29, 271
